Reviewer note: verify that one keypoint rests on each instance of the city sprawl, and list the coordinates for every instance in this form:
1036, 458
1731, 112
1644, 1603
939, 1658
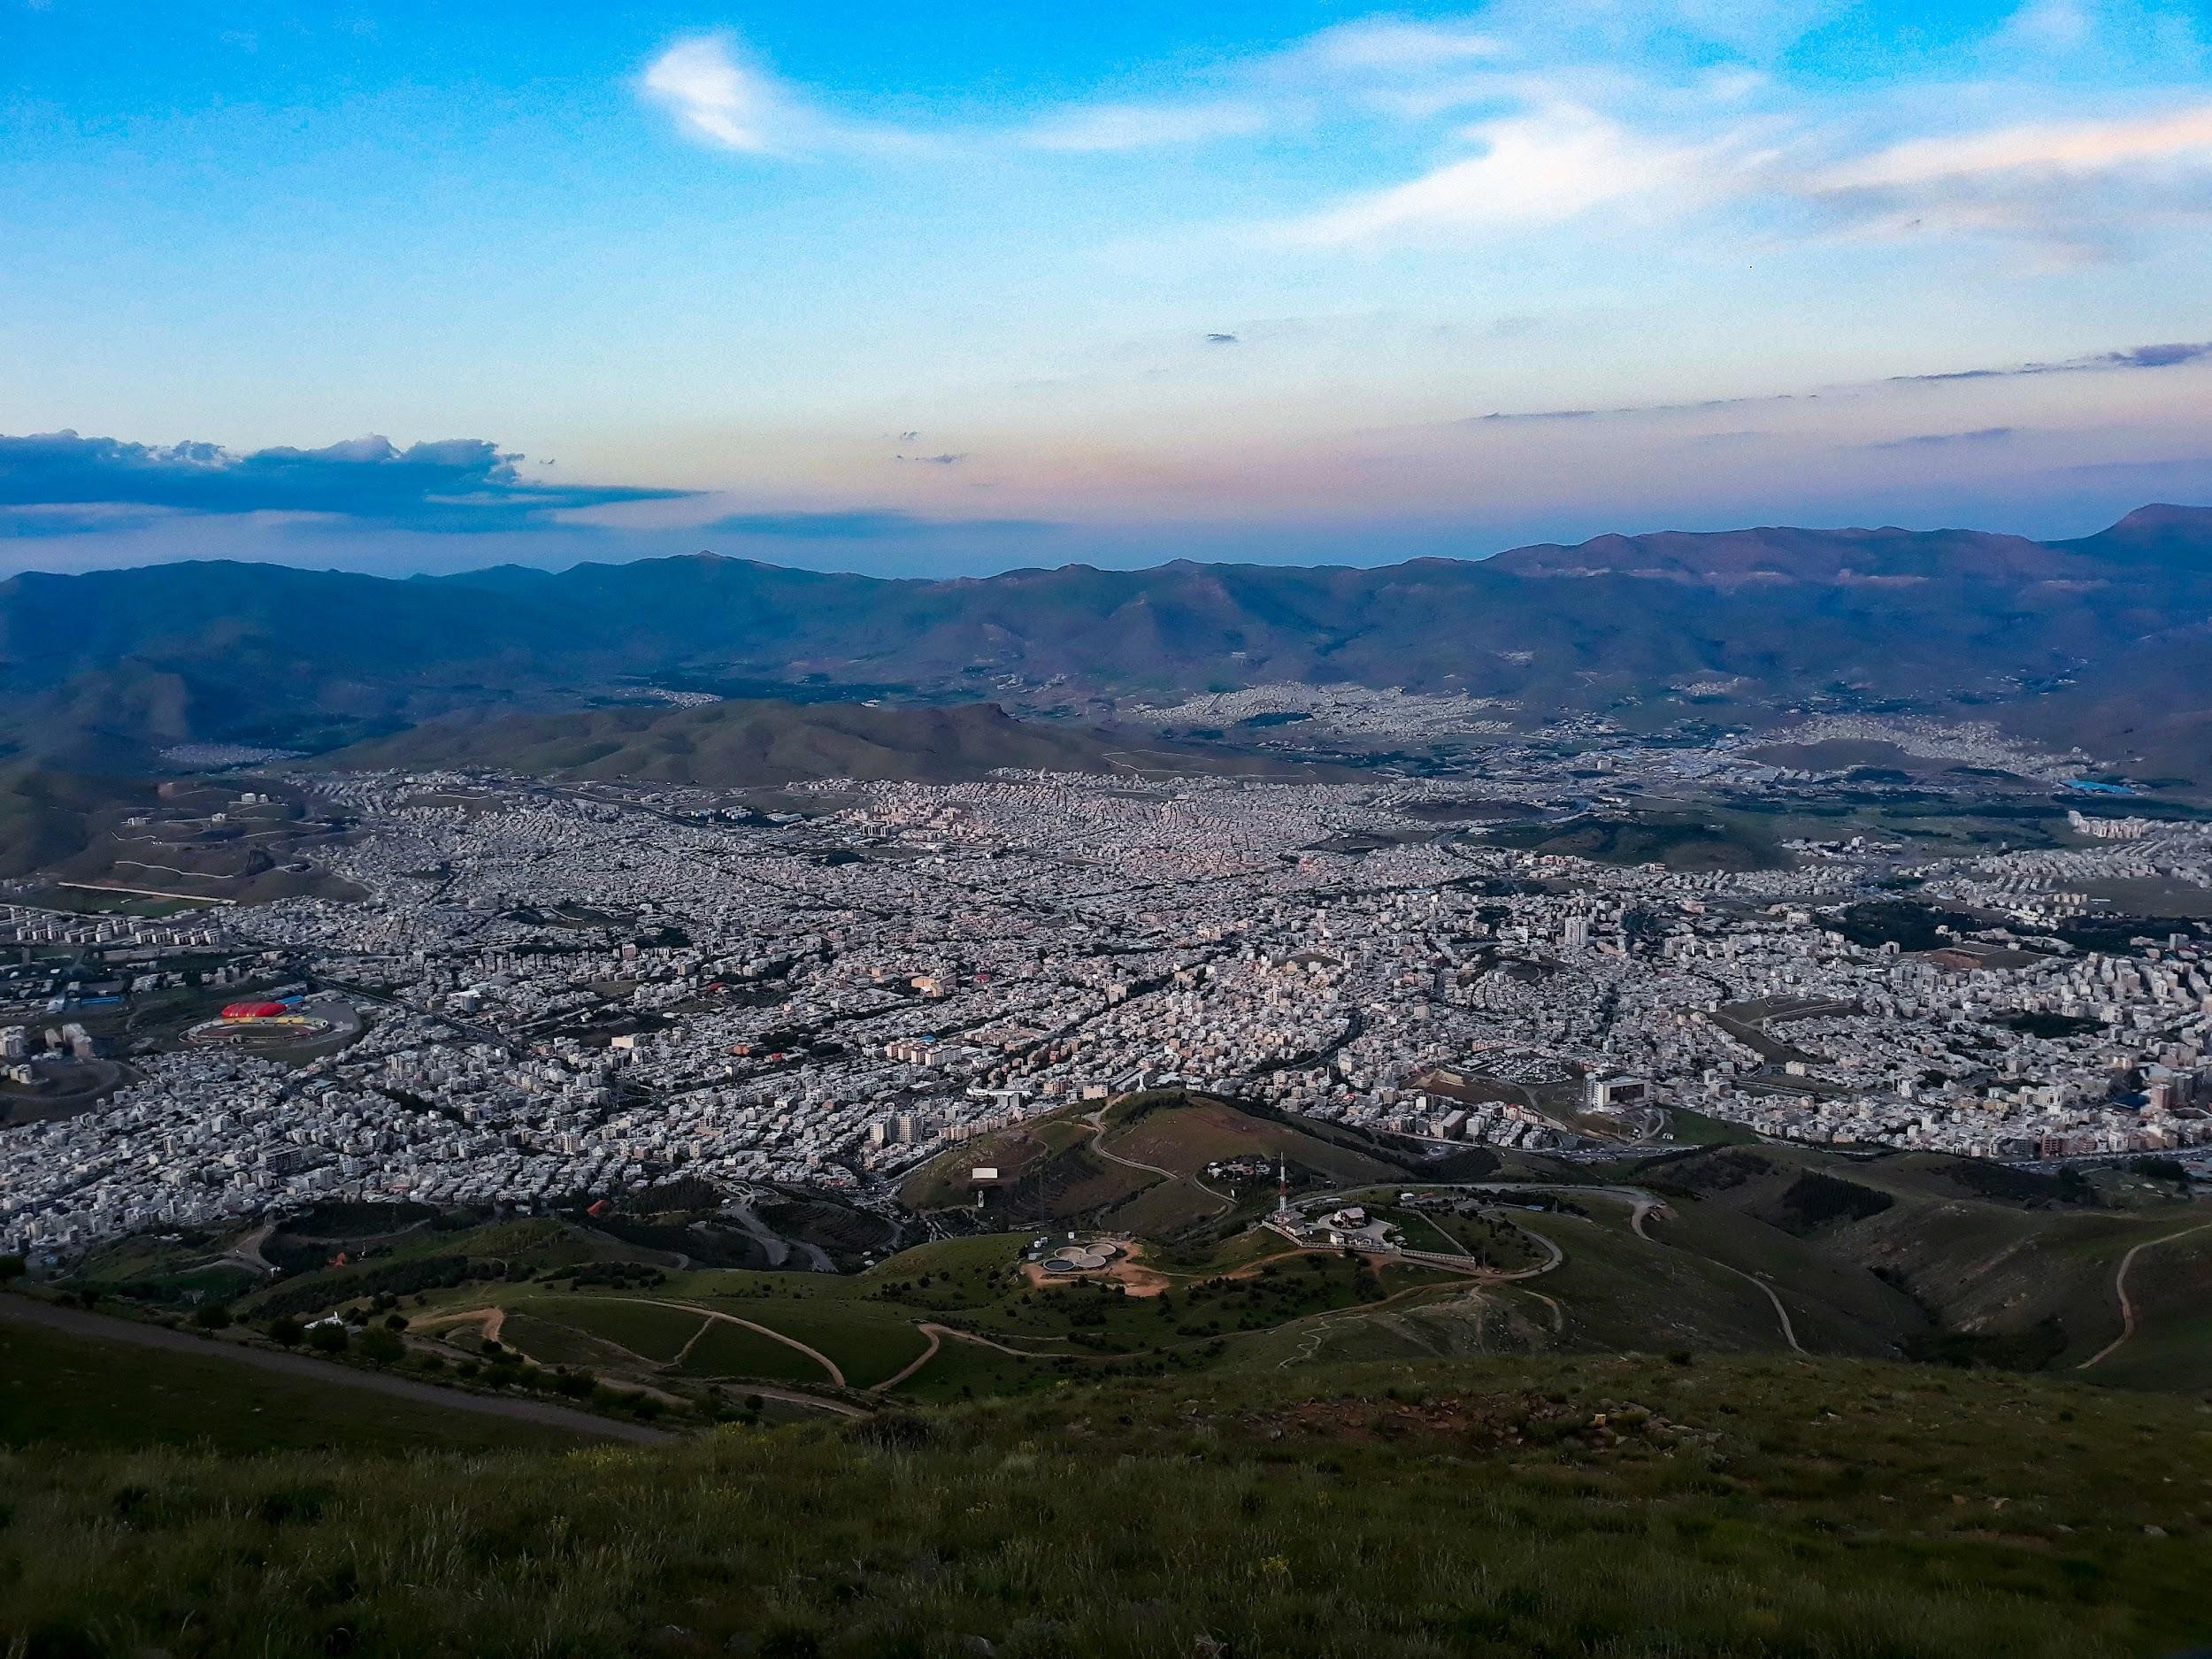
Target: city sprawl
545, 993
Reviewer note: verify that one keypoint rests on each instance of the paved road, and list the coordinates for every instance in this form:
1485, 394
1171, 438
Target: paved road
102, 1327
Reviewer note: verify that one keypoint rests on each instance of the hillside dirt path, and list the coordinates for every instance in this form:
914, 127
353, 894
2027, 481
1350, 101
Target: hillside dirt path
1558, 1313
928, 1354
710, 1314
2120, 1290
1318, 1325
102, 1327
1646, 1205
494, 1319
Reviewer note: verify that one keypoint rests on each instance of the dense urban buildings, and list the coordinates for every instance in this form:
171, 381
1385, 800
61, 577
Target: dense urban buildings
546, 991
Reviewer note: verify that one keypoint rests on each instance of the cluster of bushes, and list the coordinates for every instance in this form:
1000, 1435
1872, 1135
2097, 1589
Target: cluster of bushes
378, 1343
1814, 1198
2031, 1350
608, 1275
404, 1278
2006, 1185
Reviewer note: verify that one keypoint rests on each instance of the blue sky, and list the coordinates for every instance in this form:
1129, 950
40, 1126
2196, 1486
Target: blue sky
908, 290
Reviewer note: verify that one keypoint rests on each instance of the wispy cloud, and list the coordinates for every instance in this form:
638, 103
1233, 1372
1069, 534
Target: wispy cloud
2077, 186
1539, 168
1627, 112
716, 97
2127, 358
718, 93
2163, 357
458, 485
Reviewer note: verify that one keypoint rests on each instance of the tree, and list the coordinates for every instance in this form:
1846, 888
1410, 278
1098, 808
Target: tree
285, 1331
12, 1267
326, 1339
211, 1316
381, 1345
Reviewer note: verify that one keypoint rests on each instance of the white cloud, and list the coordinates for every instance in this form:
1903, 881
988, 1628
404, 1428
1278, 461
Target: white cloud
1569, 130
716, 96
2047, 25
1391, 44
2073, 189
720, 94
1536, 169
2068, 147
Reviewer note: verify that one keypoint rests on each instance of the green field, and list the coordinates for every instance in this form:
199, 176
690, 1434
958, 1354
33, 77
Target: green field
652, 1331
1052, 1168
868, 1341
94, 1396
551, 1343
724, 1349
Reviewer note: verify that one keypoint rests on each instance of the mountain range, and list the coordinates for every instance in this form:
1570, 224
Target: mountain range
2101, 640
765, 740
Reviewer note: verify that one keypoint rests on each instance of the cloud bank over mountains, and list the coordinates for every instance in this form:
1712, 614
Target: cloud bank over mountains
60, 483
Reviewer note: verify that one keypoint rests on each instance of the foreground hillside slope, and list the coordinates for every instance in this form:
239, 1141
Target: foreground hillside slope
1616, 1506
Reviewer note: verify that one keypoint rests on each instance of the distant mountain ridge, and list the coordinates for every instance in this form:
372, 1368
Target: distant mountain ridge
103, 670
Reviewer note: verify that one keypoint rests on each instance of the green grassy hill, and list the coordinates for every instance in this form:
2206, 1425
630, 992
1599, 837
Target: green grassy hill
1676, 1406
1137, 1165
2003, 1266
1556, 1507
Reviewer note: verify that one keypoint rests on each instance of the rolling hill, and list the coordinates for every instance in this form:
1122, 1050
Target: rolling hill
767, 741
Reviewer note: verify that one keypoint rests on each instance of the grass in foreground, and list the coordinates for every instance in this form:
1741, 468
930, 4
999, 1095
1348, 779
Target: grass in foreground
1747, 1507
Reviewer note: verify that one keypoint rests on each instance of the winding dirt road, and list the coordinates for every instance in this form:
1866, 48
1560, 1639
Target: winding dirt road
2127, 1305
1098, 1145
1645, 1205
712, 1314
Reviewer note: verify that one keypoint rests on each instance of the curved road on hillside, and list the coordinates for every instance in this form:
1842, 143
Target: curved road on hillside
1098, 1144
1642, 1205
2120, 1290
